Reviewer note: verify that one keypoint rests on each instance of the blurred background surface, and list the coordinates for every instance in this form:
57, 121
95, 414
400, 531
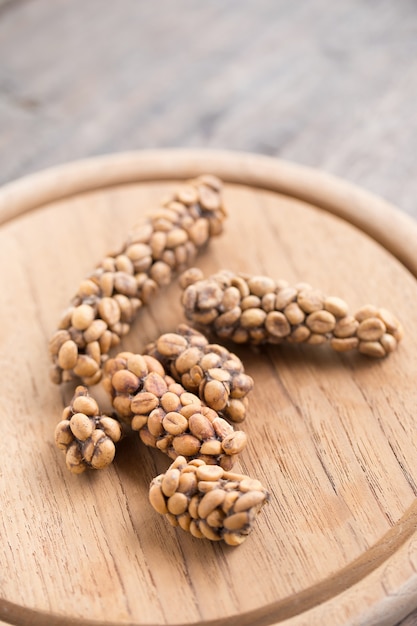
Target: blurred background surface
331, 85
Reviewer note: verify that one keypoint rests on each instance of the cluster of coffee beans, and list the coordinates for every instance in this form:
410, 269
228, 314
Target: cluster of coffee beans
182, 396
185, 395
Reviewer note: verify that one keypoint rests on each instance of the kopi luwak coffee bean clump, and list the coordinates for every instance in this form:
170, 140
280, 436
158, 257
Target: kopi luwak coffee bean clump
87, 437
108, 300
258, 309
166, 415
207, 501
204, 368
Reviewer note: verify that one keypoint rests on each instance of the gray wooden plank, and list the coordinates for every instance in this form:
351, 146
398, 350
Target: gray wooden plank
331, 85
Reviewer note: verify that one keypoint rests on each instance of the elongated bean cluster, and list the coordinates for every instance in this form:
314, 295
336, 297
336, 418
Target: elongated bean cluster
87, 437
258, 309
108, 300
210, 370
167, 416
208, 501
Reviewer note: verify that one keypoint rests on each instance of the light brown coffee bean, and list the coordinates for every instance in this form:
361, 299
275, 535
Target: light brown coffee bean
85, 366
249, 500
63, 434
155, 383
124, 381
343, 345
186, 445
201, 427
310, 300
390, 321
57, 341
221, 427
138, 422
209, 472
161, 273
294, 313
82, 316
147, 438
171, 344
109, 311
215, 395
85, 404
321, 322
261, 285
154, 423
68, 355
336, 306
237, 521
74, 459
249, 484
111, 428
138, 251
187, 359
371, 329
231, 298
277, 324
143, 403
137, 365
284, 297
170, 482
125, 284
177, 504
210, 296
371, 348
103, 454
211, 447
235, 442
209, 502
175, 423
250, 302
95, 330
233, 538
346, 327
388, 342
252, 318
368, 310
187, 483
157, 500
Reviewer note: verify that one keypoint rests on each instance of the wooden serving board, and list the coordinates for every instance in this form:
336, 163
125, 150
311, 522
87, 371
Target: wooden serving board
332, 436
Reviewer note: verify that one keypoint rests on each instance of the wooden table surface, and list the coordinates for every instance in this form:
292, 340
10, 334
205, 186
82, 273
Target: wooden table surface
332, 85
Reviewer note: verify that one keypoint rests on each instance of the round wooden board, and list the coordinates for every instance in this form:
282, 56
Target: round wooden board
332, 436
